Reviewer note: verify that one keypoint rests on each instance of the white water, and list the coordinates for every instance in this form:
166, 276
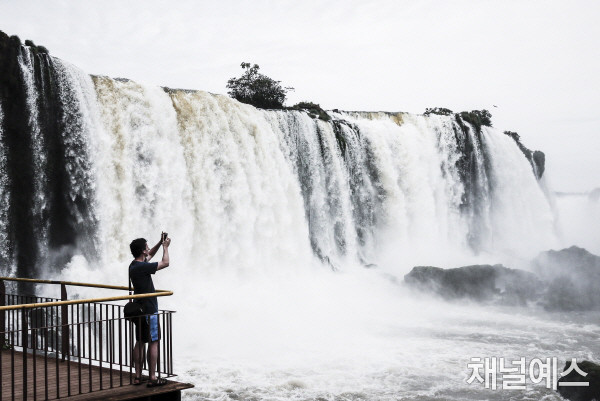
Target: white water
76, 97
243, 192
79, 136
4, 257
522, 220
37, 143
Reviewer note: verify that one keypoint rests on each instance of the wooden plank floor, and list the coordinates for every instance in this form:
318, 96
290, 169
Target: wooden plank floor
58, 383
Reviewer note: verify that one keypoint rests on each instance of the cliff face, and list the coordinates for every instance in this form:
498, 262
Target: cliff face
536, 158
18, 167
39, 141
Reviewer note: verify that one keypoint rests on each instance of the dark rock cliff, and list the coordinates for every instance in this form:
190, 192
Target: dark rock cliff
45, 161
536, 158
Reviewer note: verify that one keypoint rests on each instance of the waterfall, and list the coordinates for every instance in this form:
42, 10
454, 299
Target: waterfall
47, 181
5, 258
248, 191
208, 169
256, 189
290, 233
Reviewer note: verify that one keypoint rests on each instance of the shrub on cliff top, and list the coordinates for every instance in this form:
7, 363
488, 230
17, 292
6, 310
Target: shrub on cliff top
513, 135
477, 118
257, 89
439, 111
313, 109
36, 49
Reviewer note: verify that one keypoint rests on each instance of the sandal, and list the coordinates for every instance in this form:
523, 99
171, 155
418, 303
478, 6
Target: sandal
139, 380
158, 382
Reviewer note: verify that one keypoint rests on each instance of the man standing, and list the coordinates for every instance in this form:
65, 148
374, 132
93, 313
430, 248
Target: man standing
148, 330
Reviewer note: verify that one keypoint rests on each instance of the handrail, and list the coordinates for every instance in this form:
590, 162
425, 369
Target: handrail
158, 293
73, 283
88, 300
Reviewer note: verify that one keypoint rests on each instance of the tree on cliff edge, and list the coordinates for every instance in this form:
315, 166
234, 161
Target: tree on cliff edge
257, 89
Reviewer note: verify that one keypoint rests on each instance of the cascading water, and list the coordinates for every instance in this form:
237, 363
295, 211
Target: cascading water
251, 188
272, 215
48, 185
5, 259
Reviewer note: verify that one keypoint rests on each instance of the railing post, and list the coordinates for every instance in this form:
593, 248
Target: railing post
64, 315
2, 313
24, 338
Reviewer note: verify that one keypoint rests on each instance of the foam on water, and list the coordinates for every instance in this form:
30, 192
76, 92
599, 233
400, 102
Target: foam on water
360, 336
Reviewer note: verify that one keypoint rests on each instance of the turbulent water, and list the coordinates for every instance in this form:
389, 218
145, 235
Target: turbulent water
290, 234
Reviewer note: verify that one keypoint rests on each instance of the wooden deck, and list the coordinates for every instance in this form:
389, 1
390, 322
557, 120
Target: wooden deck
57, 383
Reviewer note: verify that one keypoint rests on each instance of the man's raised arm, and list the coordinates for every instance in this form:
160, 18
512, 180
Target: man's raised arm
154, 249
165, 259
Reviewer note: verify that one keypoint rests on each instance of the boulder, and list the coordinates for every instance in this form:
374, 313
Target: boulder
580, 393
565, 280
478, 282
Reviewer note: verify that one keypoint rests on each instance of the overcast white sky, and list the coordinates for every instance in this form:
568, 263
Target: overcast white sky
538, 61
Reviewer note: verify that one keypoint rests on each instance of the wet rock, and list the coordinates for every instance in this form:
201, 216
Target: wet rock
539, 161
469, 281
573, 275
565, 280
581, 393
479, 282
536, 158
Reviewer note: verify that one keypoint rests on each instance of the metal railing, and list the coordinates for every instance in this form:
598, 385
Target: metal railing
58, 347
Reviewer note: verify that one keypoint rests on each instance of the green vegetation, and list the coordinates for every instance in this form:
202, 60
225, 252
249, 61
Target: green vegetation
263, 92
513, 135
313, 109
439, 111
36, 49
477, 118
257, 89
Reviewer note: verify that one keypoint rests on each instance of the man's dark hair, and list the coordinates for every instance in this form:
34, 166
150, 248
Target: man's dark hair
137, 246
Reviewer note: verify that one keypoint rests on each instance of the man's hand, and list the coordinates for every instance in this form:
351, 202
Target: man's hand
165, 259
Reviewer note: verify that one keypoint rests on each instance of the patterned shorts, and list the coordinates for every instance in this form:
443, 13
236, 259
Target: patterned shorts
148, 329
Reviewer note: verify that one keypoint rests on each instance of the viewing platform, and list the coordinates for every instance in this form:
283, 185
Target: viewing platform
79, 349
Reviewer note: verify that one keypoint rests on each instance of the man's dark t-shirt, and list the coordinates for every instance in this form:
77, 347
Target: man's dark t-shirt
142, 283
